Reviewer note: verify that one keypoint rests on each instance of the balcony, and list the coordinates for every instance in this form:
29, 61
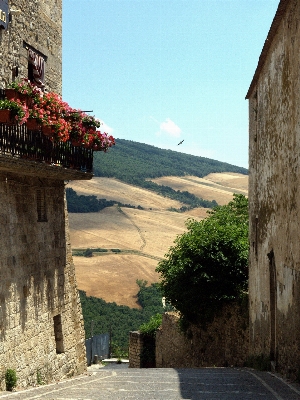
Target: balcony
17, 143
31, 152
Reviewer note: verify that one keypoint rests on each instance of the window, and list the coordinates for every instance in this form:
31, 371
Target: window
36, 66
59, 340
4, 14
273, 305
41, 205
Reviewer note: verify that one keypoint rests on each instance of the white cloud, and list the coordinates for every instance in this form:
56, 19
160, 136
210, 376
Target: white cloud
105, 128
169, 127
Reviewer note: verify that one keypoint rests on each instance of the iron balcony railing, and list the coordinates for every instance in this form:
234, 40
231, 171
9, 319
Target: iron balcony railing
18, 141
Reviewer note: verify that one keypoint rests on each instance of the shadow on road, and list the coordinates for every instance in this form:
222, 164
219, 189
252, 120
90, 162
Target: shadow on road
234, 384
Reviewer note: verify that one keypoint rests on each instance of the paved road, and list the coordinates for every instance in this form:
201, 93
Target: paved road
117, 382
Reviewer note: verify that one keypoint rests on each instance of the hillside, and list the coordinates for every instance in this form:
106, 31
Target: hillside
132, 240
140, 234
219, 187
132, 162
112, 189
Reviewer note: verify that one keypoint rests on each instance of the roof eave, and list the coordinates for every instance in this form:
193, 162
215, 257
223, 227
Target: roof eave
272, 32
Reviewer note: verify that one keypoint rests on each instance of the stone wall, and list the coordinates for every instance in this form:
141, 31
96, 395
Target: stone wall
39, 24
41, 326
224, 342
274, 200
135, 349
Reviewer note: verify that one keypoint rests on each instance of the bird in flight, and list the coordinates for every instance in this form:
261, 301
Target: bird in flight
180, 142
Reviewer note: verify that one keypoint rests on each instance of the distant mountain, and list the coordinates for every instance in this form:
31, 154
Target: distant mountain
133, 162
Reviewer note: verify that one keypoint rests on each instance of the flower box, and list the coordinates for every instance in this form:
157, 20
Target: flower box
58, 120
23, 98
48, 130
11, 94
76, 142
33, 124
29, 102
5, 117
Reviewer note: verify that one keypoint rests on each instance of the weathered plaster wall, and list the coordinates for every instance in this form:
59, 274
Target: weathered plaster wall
274, 198
40, 25
37, 283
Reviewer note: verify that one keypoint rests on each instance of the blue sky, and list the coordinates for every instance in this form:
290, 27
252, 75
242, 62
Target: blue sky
160, 71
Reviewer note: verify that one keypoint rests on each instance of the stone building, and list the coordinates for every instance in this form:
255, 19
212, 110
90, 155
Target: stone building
41, 326
274, 197
35, 25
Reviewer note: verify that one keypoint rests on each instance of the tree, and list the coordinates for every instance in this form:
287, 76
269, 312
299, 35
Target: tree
208, 265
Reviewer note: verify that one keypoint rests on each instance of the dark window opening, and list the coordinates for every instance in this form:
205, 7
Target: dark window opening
41, 205
36, 66
30, 72
59, 340
273, 304
256, 236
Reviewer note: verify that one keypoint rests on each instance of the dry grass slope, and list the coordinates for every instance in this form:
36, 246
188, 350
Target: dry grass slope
139, 234
219, 187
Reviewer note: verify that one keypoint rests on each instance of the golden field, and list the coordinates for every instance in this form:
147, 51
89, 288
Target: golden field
142, 236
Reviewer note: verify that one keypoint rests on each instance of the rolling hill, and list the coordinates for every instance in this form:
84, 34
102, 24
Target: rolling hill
131, 241
132, 162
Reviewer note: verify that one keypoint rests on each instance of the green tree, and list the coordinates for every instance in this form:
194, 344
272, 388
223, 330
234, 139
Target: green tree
150, 327
208, 265
149, 298
120, 320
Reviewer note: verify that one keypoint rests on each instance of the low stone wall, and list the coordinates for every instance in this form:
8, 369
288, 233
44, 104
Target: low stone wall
225, 342
135, 349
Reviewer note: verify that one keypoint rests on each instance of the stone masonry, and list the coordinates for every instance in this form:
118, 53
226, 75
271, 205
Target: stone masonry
41, 325
39, 25
135, 349
224, 342
37, 285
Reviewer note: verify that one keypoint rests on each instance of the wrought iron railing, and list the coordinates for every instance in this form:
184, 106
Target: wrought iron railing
18, 141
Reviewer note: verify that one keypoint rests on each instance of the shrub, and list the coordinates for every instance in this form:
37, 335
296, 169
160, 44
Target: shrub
39, 378
10, 379
150, 328
88, 253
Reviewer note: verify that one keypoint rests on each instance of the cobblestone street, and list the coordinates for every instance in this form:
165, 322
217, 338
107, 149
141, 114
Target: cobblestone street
119, 382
